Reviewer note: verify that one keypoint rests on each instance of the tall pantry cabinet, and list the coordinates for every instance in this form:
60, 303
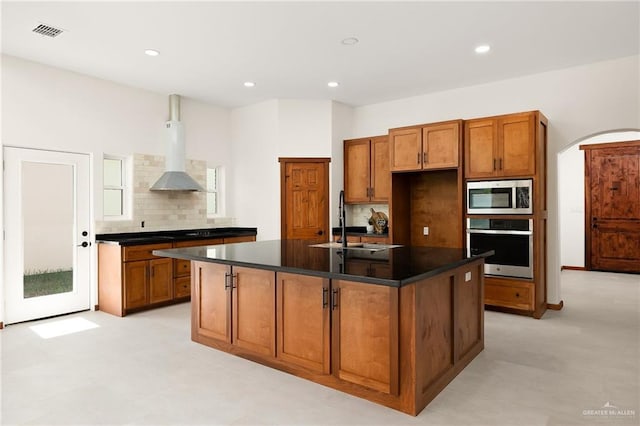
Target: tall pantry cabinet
513, 146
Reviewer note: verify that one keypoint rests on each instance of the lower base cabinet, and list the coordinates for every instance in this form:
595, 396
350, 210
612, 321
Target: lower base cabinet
235, 305
398, 347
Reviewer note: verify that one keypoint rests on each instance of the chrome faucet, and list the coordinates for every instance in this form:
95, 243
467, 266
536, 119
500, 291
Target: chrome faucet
342, 219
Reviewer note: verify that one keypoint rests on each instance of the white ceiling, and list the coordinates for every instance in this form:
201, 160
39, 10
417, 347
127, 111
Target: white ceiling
292, 49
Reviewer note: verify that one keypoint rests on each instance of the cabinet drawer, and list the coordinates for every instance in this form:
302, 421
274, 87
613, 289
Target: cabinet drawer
181, 267
518, 297
196, 243
182, 287
375, 240
142, 252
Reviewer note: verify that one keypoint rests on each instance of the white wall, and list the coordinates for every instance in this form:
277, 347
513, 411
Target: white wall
264, 132
578, 101
571, 196
50, 108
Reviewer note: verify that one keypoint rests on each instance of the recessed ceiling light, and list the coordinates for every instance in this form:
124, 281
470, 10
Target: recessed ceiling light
249, 84
151, 52
350, 41
333, 84
483, 48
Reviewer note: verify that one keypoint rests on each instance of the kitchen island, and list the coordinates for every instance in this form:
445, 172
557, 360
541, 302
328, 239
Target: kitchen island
393, 326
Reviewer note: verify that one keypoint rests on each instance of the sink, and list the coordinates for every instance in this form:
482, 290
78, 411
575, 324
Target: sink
356, 246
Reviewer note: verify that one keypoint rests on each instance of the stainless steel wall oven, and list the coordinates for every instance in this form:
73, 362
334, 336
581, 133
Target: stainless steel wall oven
512, 241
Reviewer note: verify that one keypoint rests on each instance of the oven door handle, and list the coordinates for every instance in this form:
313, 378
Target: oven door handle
494, 232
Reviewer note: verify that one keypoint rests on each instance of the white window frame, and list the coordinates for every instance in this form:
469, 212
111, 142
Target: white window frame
125, 187
219, 190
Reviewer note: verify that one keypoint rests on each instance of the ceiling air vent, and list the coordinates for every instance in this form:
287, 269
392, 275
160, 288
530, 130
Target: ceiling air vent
47, 30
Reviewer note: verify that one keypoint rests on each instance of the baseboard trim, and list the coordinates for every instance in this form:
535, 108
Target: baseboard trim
96, 307
555, 306
573, 268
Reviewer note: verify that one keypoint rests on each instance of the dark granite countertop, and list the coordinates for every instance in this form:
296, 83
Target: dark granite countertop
393, 267
153, 237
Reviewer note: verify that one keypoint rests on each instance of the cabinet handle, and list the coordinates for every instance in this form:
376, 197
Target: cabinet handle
226, 280
500, 164
234, 281
494, 164
418, 158
371, 192
325, 297
517, 294
424, 158
334, 298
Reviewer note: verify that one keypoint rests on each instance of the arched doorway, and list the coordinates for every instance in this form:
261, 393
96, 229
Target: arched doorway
571, 235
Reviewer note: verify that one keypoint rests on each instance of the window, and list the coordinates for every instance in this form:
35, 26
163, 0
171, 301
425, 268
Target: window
215, 200
114, 205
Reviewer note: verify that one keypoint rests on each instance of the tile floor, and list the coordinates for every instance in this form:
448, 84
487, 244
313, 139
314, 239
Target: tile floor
143, 369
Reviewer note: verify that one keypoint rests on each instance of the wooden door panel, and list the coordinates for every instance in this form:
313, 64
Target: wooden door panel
254, 317
357, 178
303, 321
305, 207
365, 333
405, 149
160, 280
469, 310
136, 289
612, 183
380, 172
516, 155
435, 327
211, 301
440, 144
481, 138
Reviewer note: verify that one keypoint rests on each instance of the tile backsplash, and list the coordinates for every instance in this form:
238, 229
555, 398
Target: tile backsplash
163, 210
359, 214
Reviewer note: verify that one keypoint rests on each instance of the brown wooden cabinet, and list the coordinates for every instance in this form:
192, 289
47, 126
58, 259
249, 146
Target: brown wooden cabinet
235, 305
366, 170
131, 278
365, 335
514, 146
395, 346
503, 146
303, 321
427, 147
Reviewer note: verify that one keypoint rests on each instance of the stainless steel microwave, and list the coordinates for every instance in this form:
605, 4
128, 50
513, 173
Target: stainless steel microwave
500, 197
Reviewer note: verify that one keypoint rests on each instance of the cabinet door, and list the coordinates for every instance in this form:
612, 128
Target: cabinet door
136, 288
441, 145
357, 177
516, 156
380, 172
160, 280
303, 321
211, 301
405, 149
480, 148
365, 335
254, 313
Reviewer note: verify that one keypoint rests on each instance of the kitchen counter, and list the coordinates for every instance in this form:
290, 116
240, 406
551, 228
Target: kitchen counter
391, 325
394, 267
152, 237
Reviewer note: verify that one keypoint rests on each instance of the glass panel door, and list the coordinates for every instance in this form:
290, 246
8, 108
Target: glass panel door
47, 233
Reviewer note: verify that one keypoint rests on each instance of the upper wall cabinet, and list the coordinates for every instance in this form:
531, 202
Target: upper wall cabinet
366, 170
435, 146
500, 146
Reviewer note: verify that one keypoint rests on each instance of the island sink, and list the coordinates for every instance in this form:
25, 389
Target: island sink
356, 246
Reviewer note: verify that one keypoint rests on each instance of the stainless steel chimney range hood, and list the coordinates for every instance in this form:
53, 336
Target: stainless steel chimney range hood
175, 178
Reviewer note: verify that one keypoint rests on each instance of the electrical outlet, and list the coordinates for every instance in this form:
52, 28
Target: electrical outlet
467, 276
425, 230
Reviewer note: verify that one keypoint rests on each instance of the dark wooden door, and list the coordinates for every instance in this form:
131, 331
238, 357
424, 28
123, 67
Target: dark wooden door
305, 198
612, 198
